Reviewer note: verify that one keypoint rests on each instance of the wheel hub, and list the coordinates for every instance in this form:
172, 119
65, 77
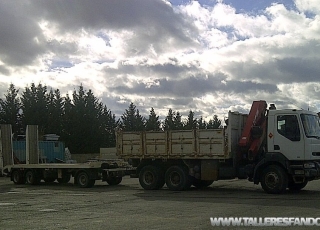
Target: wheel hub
272, 180
175, 178
148, 178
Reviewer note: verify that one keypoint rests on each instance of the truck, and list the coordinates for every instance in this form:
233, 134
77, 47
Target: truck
279, 149
33, 171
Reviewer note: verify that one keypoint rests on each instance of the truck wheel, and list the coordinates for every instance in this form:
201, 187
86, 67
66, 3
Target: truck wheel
17, 177
84, 181
32, 177
297, 186
274, 179
177, 178
114, 180
202, 183
64, 179
151, 178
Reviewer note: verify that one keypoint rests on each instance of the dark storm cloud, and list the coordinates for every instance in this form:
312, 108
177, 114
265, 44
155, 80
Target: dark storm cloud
142, 68
4, 70
299, 69
286, 70
193, 87
20, 35
96, 14
153, 21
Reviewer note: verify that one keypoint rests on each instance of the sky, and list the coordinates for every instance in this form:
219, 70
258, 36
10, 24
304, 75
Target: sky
208, 56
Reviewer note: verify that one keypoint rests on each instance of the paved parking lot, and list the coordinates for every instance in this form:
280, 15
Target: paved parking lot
127, 206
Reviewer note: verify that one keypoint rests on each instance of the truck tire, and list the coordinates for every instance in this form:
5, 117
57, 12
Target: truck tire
274, 179
151, 178
297, 186
17, 177
32, 177
64, 179
84, 181
114, 180
201, 183
177, 178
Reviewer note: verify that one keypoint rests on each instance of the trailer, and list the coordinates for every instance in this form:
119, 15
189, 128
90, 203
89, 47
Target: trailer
84, 174
33, 171
279, 149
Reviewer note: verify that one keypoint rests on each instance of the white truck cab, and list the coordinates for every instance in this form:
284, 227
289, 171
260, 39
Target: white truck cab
295, 134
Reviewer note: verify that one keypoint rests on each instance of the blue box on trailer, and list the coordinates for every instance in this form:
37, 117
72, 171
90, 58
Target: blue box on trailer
48, 151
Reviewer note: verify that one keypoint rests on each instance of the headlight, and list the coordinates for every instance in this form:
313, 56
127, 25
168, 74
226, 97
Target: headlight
309, 165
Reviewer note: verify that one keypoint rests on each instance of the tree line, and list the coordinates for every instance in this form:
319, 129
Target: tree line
82, 121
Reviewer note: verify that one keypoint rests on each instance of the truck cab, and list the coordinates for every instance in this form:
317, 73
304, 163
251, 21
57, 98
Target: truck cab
295, 134
292, 156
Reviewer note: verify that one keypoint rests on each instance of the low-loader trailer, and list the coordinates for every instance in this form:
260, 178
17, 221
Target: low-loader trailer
33, 170
85, 174
279, 149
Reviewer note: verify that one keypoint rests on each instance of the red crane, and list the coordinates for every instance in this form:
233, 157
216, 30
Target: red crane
254, 131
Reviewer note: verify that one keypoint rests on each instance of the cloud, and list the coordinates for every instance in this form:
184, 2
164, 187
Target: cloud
21, 38
308, 6
210, 58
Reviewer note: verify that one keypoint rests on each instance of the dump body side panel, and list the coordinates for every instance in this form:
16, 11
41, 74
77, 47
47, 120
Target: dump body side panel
175, 144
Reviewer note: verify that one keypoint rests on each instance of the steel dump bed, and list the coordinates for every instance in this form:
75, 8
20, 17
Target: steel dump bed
183, 144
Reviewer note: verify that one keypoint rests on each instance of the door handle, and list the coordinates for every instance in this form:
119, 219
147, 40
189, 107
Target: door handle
276, 147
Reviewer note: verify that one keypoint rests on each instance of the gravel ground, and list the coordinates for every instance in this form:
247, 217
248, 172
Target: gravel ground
128, 206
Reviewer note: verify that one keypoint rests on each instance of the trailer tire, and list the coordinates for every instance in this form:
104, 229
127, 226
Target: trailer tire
201, 183
177, 178
151, 178
17, 177
297, 186
274, 179
114, 180
32, 177
84, 180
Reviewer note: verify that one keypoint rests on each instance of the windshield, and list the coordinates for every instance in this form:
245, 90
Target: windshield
311, 125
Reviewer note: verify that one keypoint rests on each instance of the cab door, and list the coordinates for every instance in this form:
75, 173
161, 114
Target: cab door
287, 137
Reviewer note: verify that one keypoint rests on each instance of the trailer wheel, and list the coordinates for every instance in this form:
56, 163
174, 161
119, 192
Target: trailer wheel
84, 181
297, 186
17, 177
151, 178
201, 183
32, 177
114, 180
177, 178
64, 179
274, 179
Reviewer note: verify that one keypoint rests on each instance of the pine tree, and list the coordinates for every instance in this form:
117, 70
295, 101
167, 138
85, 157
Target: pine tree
214, 123
132, 120
9, 109
191, 121
177, 121
169, 121
201, 123
153, 123
34, 106
109, 124
55, 112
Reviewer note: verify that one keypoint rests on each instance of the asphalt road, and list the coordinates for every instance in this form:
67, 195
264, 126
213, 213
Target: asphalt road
128, 206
